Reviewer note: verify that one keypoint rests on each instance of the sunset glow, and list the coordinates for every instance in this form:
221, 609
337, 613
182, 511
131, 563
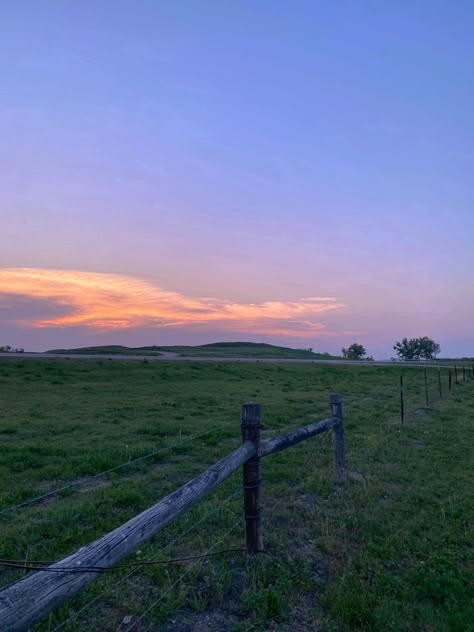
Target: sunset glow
187, 173
106, 302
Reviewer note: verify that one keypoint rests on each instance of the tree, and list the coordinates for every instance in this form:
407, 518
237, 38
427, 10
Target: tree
417, 348
354, 352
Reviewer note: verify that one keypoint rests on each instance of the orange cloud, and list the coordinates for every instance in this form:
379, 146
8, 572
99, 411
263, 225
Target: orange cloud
112, 302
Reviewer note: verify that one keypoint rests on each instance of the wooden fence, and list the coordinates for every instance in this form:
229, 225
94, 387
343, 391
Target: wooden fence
29, 600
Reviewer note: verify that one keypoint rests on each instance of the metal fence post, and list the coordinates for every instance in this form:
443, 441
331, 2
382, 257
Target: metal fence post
402, 403
251, 426
335, 402
426, 390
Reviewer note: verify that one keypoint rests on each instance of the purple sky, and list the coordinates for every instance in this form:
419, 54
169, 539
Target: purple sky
188, 172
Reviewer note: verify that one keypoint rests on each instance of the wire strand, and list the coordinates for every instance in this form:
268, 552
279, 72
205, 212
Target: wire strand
87, 479
120, 580
186, 572
303, 466
36, 566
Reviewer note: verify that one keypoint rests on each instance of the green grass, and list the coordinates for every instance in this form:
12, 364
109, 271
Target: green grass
217, 349
388, 549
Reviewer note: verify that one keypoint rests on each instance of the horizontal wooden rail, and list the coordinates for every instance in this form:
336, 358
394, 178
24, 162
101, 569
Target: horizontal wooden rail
32, 598
276, 444
29, 600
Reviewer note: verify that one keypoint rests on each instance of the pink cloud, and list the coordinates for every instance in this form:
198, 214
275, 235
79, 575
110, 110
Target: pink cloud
106, 302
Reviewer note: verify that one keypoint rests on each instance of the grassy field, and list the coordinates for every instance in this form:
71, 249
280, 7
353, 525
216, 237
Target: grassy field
391, 548
214, 350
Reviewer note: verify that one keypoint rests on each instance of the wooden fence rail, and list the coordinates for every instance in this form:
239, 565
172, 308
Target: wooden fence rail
31, 599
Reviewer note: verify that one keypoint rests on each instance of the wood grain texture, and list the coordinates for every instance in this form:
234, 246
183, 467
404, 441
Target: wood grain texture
276, 444
32, 598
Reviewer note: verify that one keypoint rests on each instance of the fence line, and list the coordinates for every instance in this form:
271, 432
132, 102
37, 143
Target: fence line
272, 507
32, 598
439, 381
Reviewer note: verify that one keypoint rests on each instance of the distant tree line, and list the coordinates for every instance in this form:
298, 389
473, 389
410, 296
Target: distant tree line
407, 349
356, 352
417, 349
8, 349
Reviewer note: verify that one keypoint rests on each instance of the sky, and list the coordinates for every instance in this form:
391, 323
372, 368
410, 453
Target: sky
190, 172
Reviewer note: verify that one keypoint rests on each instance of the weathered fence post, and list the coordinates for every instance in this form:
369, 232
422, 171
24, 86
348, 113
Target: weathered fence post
464, 374
335, 402
250, 424
439, 383
450, 380
402, 403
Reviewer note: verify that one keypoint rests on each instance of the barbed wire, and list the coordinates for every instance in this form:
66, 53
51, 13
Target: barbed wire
45, 566
297, 477
310, 452
195, 559
175, 583
166, 547
88, 479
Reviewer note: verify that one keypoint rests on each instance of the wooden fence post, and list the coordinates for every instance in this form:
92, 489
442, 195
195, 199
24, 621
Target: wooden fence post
450, 380
335, 402
464, 374
402, 404
250, 425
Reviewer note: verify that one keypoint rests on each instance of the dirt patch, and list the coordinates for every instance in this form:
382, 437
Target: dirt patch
308, 500
82, 485
420, 412
88, 485
209, 621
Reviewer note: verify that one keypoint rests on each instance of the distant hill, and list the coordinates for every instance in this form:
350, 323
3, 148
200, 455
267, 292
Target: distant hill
245, 350
216, 350
110, 350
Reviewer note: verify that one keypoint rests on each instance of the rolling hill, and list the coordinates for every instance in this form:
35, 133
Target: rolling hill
215, 350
